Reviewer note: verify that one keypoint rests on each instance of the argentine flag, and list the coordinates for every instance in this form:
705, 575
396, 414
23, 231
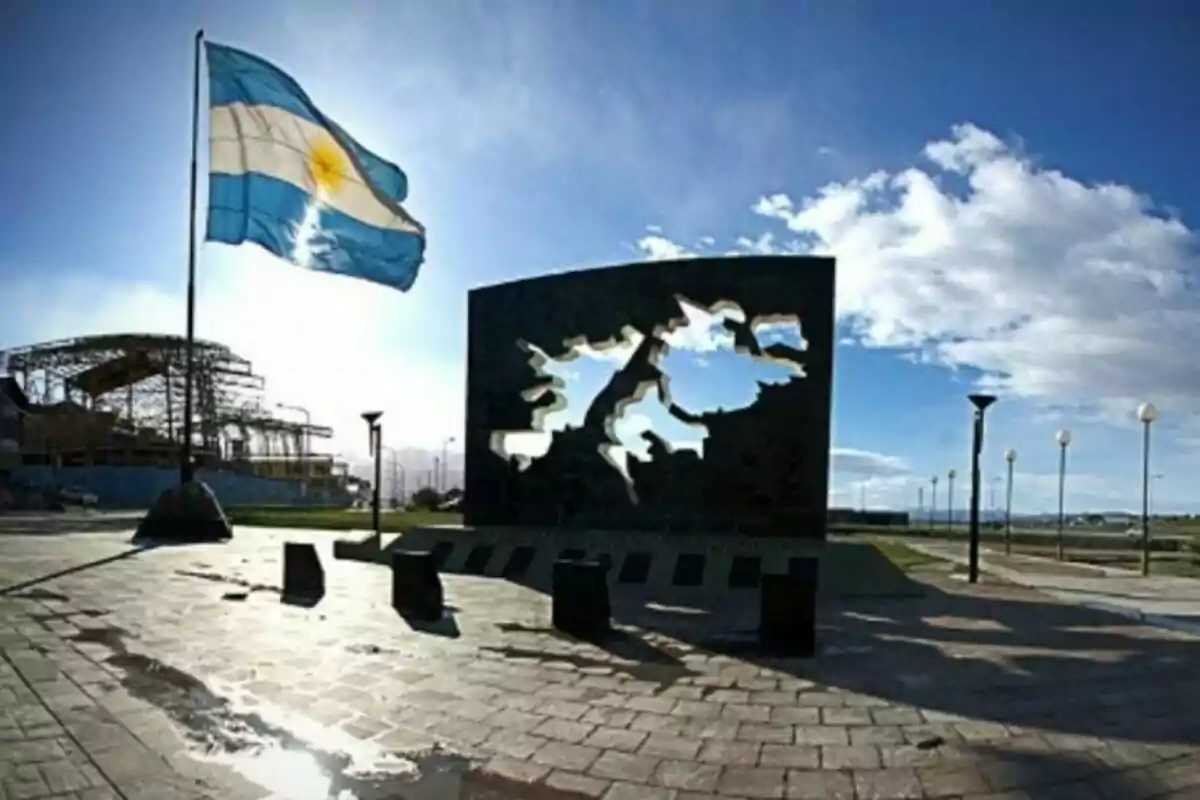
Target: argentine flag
286, 177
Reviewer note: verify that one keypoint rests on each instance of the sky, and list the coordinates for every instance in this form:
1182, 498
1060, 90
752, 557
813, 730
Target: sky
1009, 192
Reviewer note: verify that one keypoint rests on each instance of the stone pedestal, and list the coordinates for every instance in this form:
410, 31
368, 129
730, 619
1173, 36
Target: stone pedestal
416, 585
788, 607
303, 575
188, 512
580, 598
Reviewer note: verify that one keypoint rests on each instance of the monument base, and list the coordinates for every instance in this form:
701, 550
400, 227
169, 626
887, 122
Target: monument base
715, 563
188, 512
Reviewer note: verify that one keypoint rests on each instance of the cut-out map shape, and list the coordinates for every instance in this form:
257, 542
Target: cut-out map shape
647, 394
678, 395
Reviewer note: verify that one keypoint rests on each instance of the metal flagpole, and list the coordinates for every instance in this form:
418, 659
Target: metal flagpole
185, 459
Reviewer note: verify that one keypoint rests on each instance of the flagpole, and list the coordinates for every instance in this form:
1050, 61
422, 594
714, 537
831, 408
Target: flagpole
185, 461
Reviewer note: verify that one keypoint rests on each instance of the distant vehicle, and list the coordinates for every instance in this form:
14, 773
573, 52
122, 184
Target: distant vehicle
75, 496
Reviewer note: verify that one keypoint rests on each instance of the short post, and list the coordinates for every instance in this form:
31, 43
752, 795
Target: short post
416, 586
788, 610
580, 598
303, 575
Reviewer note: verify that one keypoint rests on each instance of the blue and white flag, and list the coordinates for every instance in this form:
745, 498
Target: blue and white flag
286, 177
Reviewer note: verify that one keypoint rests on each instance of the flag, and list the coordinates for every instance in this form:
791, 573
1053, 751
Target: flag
288, 178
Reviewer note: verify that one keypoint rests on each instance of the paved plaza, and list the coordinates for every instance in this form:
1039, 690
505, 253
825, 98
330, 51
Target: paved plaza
177, 672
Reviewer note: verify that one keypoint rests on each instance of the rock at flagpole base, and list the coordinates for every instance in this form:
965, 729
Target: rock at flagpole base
188, 512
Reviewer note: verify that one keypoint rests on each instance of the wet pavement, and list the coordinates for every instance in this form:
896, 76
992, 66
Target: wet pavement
180, 672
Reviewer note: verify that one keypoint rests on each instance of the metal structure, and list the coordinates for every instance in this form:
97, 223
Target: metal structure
119, 399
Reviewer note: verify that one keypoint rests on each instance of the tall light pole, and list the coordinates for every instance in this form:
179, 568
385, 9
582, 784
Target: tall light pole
950, 502
1010, 455
444, 477
932, 503
375, 440
307, 440
1063, 438
920, 501
981, 403
1146, 413
398, 476
862, 496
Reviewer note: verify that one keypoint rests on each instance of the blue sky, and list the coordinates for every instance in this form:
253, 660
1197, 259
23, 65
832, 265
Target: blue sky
1009, 192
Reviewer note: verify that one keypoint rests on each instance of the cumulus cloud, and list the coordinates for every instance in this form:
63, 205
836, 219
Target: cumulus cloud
1057, 290
866, 464
655, 247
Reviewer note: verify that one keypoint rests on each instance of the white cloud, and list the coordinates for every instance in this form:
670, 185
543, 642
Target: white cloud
866, 464
659, 248
1059, 291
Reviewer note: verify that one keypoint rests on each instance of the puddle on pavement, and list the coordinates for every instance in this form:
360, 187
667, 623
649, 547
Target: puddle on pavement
294, 759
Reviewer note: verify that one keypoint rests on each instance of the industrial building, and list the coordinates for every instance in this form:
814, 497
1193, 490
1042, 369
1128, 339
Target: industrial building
105, 414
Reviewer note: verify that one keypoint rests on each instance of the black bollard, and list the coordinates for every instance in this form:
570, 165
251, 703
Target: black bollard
788, 622
416, 585
580, 603
303, 576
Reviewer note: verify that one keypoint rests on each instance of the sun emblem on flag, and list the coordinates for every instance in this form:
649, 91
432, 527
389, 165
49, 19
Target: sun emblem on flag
327, 165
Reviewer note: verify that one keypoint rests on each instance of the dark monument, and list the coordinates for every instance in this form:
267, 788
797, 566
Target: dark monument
764, 467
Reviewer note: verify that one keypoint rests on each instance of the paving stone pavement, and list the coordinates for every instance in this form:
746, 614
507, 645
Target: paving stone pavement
177, 672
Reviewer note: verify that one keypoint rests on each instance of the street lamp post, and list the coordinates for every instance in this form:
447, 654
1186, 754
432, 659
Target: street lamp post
307, 440
932, 502
1064, 440
1147, 413
398, 476
950, 502
444, 477
1010, 455
375, 441
981, 403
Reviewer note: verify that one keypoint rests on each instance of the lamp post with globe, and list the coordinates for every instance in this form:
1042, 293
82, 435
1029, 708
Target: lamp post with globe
1063, 437
933, 503
1146, 413
950, 502
1010, 455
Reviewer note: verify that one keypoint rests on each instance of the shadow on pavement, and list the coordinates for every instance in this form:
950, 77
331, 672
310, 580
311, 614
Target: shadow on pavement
133, 551
1060, 677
